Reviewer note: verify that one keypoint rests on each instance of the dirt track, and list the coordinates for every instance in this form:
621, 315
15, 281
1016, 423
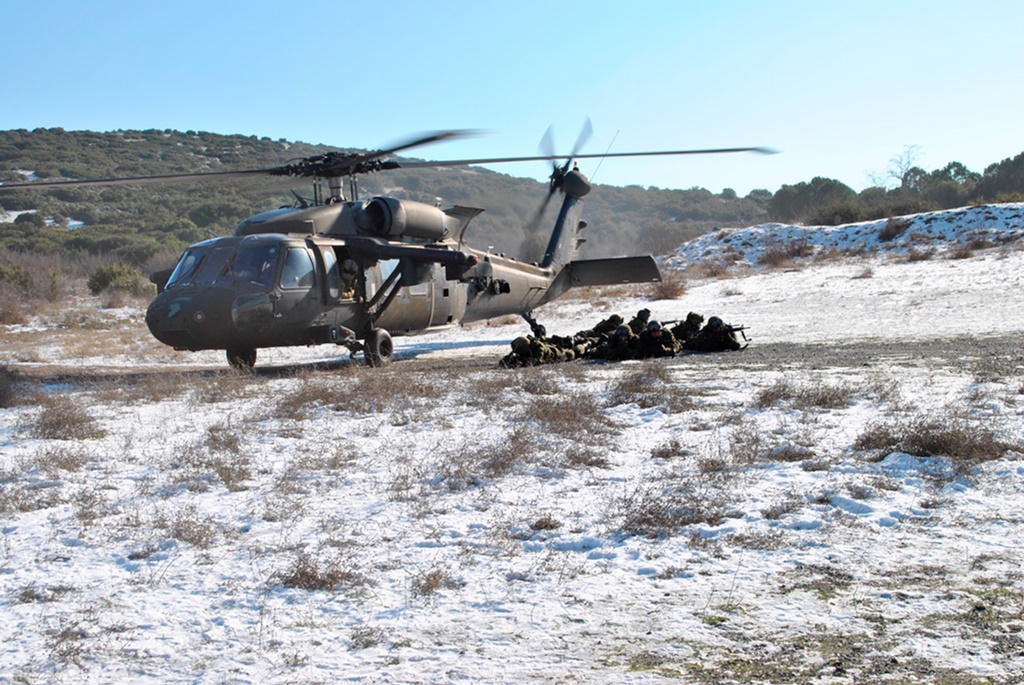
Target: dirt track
1002, 353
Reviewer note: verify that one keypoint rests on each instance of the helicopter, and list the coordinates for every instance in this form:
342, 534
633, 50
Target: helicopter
338, 270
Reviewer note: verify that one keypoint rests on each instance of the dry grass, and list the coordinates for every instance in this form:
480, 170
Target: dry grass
660, 512
575, 415
780, 254
952, 435
433, 580
62, 418
672, 285
312, 572
9, 395
188, 525
805, 396
650, 385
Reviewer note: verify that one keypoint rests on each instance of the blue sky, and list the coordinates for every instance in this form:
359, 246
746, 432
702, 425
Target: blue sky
840, 88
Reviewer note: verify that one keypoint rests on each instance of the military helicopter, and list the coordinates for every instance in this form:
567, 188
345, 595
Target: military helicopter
353, 272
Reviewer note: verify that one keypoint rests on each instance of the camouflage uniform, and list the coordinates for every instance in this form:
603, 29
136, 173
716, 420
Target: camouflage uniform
528, 350
656, 342
688, 329
638, 324
619, 347
714, 337
592, 336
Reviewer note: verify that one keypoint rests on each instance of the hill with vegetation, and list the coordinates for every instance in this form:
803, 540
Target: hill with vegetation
147, 226
136, 223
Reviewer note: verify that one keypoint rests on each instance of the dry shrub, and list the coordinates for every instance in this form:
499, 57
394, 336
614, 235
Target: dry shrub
789, 503
779, 254
707, 269
589, 456
309, 572
64, 419
387, 389
672, 285
507, 320
518, 447
573, 415
538, 382
53, 460
805, 396
8, 389
366, 637
894, 228
750, 445
960, 251
470, 464
650, 385
917, 254
12, 307
766, 540
671, 449
224, 385
25, 497
189, 526
659, 512
952, 435
546, 522
31, 594
429, 582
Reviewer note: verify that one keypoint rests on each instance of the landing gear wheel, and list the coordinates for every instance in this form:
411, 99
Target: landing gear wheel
379, 350
242, 359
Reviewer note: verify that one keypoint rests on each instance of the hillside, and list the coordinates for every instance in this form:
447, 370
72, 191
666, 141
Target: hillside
135, 224
841, 502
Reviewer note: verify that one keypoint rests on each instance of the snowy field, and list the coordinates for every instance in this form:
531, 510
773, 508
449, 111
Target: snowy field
761, 516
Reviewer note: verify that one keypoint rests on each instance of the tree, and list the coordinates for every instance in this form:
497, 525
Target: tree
900, 165
30, 219
800, 201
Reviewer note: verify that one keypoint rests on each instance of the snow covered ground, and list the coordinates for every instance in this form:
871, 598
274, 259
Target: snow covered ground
706, 520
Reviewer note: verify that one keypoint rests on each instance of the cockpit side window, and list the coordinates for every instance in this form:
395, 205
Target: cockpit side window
186, 268
253, 264
333, 275
210, 269
298, 271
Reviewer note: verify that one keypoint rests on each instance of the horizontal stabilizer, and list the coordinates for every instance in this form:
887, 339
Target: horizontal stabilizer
612, 271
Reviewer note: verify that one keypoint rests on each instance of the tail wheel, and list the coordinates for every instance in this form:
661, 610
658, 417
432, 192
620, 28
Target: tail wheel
242, 359
379, 348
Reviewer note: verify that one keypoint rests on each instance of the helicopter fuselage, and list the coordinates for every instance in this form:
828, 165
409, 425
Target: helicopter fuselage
345, 272
275, 290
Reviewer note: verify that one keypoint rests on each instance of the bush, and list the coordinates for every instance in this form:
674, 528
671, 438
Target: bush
894, 228
15, 274
836, 215
8, 393
117, 277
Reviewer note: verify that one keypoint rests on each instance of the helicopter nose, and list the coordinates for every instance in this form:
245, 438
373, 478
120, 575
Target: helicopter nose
197, 320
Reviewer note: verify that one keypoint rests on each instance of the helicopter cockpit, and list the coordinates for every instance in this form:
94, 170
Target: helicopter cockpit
216, 263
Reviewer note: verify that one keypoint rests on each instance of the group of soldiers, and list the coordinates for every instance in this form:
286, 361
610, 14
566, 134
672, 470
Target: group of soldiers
615, 340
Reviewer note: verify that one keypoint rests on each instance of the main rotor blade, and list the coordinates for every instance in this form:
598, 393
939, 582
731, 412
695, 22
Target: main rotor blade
424, 139
655, 153
344, 162
583, 137
141, 180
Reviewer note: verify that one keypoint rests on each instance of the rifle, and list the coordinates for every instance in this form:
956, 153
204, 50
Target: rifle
738, 329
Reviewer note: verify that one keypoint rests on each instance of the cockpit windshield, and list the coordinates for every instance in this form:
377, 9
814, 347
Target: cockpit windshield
225, 265
252, 263
187, 267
